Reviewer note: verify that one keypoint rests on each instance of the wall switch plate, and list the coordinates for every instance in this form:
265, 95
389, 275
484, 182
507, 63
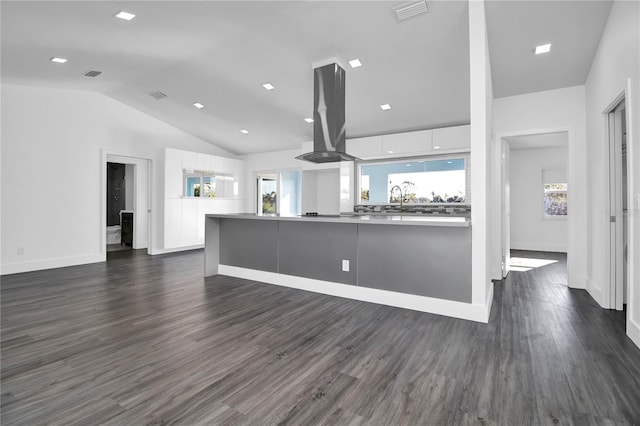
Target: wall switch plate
345, 265
20, 251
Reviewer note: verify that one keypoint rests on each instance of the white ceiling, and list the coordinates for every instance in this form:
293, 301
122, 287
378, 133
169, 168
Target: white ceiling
220, 52
538, 141
515, 28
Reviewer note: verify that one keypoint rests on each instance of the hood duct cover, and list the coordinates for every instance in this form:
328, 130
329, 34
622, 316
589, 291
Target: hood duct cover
328, 116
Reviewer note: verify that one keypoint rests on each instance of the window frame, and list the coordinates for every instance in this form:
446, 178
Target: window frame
465, 156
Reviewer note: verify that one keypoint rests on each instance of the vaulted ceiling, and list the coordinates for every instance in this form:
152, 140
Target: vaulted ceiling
219, 53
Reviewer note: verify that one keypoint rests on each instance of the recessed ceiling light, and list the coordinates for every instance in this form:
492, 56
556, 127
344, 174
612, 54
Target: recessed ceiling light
198, 105
390, 152
355, 63
385, 107
58, 60
543, 48
436, 147
125, 15
449, 162
309, 120
244, 131
268, 86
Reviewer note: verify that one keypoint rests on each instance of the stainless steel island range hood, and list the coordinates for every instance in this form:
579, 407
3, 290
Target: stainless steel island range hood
328, 116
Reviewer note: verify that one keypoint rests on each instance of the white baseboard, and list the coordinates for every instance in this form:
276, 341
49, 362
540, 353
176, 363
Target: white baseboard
578, 282
155, 251
594, 291
633, 331
467, 311
58, 262
557, 248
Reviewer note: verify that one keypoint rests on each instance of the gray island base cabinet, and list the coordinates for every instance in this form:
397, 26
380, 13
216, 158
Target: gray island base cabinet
419, 256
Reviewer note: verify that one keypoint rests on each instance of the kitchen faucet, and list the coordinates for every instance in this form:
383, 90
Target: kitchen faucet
401, 195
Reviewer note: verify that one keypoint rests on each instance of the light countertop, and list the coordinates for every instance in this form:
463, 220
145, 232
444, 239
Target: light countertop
421, 220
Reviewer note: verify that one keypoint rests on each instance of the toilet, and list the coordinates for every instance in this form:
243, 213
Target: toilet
113, 234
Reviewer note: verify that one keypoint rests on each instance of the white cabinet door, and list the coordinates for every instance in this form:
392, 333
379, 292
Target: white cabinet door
447, 138
407, 143
365, 147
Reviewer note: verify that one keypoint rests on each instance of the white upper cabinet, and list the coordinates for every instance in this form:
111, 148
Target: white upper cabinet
365, 147
407, 143
450, 138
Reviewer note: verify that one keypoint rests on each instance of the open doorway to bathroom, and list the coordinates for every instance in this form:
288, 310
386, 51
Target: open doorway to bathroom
119, 206
126, 193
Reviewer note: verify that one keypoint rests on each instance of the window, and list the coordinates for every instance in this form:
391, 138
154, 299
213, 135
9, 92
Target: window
424, 181
280, 192
555, 199
554, 193
268, 194
206, 184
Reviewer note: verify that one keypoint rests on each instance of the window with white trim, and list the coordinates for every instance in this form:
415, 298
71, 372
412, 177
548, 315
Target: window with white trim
554, 187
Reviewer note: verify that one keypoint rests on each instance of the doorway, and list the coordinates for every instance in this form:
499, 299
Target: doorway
267, 193
126, 195
618, 205
119, 206
535, 194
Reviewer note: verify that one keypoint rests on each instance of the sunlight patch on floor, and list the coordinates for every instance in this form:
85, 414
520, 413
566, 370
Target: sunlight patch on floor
523, 264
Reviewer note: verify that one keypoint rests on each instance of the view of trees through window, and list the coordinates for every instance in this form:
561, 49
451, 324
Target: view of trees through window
555, 199
269, 195
414, 182
199, 183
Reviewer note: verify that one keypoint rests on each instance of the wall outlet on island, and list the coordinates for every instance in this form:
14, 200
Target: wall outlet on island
345, 265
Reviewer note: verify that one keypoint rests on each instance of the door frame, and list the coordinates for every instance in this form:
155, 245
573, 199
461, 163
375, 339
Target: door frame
502, 150
139, 192
613, 127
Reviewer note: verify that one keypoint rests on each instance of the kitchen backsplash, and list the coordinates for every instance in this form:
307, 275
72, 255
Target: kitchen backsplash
436, 210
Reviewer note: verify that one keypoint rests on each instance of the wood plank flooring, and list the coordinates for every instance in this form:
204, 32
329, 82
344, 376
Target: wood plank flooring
147, 340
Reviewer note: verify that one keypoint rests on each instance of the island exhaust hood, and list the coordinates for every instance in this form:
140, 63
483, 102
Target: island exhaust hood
328, 116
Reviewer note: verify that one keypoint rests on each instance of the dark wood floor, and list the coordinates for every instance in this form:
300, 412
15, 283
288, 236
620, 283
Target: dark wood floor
147, 340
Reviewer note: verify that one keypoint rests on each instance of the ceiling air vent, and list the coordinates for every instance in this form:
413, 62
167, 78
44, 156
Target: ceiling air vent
157, 95
92, 73
409, 10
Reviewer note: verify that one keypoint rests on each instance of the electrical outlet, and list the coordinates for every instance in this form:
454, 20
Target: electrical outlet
345, 265
20, 251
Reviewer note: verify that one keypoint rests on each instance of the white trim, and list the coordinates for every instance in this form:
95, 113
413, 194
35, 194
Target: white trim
56, 262
154, 251
594, 291
108, 156
578, 282
467, 311
520, 245
633, 331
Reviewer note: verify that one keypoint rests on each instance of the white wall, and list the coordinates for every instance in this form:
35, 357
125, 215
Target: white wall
552, 111
321, 191
615, 70
530, 230
53, 142
481, 97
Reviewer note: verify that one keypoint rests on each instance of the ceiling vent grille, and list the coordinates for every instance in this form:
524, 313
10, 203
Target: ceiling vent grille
409, 10
157, 95
92, 73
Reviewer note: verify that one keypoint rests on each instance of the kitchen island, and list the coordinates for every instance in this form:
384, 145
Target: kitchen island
415, 262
